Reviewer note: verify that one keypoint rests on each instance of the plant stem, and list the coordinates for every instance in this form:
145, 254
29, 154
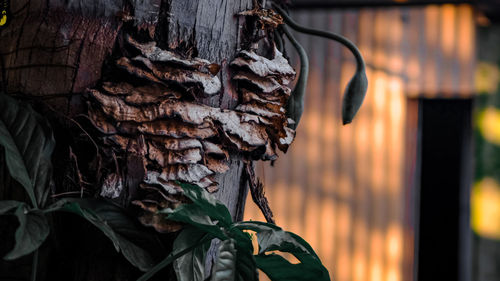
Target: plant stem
295, 106
34, 266
355, 91
330, 35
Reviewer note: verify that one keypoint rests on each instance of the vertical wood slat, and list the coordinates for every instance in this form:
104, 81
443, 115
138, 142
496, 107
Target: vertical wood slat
330, 237
344, 188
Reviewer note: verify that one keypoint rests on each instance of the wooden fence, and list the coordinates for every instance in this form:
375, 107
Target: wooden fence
345, 188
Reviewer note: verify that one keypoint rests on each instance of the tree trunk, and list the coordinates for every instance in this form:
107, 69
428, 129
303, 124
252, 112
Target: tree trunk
53, 52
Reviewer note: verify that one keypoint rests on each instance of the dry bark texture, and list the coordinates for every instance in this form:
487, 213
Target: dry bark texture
160, 120
145, 93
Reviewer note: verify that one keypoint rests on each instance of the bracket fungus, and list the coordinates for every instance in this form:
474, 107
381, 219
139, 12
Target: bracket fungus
156, 115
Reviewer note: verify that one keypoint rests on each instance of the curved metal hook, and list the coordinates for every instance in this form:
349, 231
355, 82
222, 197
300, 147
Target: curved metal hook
356, 88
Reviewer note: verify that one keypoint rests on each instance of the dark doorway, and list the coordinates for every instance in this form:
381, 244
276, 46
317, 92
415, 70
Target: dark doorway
446, 168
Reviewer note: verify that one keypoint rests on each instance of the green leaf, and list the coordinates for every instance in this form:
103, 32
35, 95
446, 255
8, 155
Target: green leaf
7, 205
245, 263
209, 215
271, 237
278, 268
225, 265
194, 215
116, 225
205, 212
302, 242
213, 207
33, 229
28, 143
191, 266
173, 256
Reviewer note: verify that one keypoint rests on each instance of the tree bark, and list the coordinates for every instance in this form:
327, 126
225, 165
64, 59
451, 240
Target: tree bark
52, 51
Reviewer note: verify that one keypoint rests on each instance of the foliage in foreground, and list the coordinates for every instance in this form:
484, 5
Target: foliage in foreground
209, 219
27, 142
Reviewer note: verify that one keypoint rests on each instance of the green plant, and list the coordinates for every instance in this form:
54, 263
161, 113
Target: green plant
209, 219
28, 144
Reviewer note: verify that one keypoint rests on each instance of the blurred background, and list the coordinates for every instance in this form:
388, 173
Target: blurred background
411, 189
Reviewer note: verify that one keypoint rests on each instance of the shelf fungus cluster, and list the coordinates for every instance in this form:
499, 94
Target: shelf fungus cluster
154, 112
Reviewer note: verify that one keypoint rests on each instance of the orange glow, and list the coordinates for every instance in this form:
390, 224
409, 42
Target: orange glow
380, 27
393, 275
413, 73
394, 243
344, 264
294, 208
359, 268
396, 99
365, 34
396, 36
344, 219
466, 48
448, 30
362, 136
379, 85
312, 224
378, 133
466, 36
376, 256
413, 61
313, 125
376, 271
360, 250
397, 108
329, 128
431, 40
327, 232
378, 155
